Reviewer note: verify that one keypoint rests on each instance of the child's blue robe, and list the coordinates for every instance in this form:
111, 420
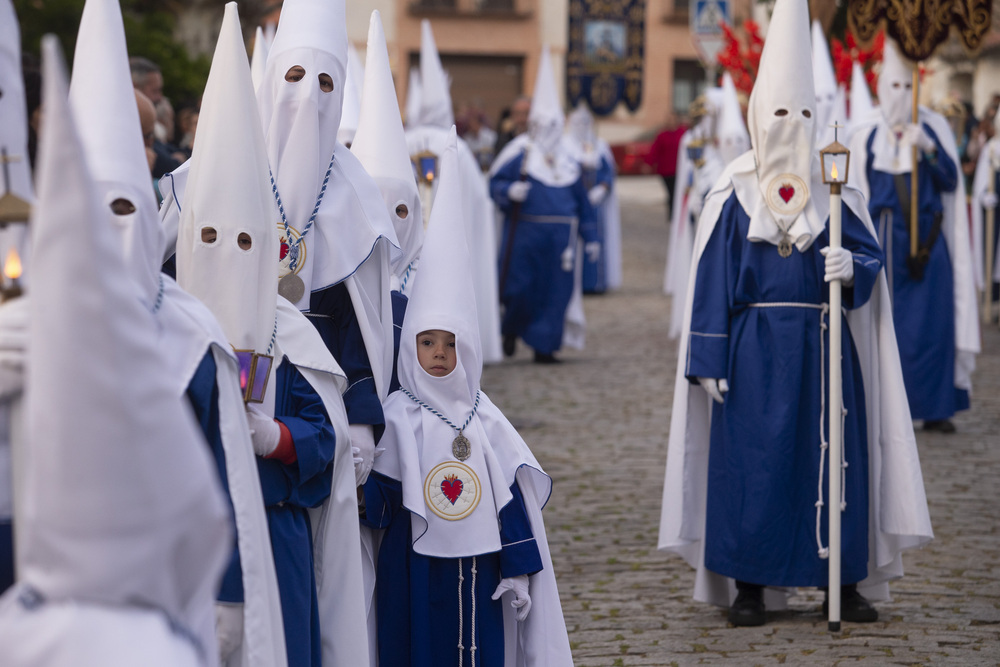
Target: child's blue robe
922, 310
764, 457
417, 596
288, 491
538, 288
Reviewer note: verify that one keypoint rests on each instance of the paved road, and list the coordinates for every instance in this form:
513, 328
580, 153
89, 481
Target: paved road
598, 424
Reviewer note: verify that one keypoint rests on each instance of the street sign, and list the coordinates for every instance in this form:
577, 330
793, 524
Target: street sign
707, 17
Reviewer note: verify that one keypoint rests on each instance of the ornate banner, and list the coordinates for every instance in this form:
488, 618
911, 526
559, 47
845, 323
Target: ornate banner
604, 61
920, 26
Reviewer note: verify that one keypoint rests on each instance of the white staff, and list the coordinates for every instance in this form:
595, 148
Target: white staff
835, 159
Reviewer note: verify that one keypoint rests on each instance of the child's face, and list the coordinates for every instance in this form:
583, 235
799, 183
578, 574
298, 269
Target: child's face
436, 352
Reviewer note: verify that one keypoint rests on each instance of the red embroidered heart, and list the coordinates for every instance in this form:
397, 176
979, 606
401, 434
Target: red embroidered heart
451, 487
786, 192
283, 252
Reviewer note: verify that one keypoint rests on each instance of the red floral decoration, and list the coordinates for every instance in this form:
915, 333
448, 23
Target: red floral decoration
741, 57
846, 53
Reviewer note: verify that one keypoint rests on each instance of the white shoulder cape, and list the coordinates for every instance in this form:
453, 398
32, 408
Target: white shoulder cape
898, 516
336, 535
954, 229
980, 186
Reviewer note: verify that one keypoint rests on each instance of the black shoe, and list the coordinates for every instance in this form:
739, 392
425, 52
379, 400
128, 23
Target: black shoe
509, 345
939, 425
748, 608
853, 606
543, 358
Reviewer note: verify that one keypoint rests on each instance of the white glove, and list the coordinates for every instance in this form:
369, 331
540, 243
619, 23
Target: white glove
839, 265
590, 160
264, 431
597, 194
919, 138
567, 259
715, 388
521, 601
593, 250
518, 191
228, 628
989, 200
363, 448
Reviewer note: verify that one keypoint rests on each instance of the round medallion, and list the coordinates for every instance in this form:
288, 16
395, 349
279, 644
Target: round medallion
291, 287
785, 247
452, 490
461, 447
291, 246
787, 194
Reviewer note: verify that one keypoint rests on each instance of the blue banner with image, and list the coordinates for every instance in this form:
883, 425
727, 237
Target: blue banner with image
604, 61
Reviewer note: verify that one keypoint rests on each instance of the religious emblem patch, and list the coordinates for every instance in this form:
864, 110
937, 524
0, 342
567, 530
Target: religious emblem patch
452, 490
787, 194
292, 251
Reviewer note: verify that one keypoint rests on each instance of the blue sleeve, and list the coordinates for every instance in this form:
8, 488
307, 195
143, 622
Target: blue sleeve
605, 172
500, 182
587, 213
941, 167
708, 342
383, 498
518, 551
203, 395
399, 302
868, 259
332, 313
307, 481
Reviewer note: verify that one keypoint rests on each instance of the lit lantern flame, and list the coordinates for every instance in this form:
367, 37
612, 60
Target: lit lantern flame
430, 176
833, 172
12, 265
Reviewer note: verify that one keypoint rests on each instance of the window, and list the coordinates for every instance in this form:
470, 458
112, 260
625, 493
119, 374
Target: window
689, 82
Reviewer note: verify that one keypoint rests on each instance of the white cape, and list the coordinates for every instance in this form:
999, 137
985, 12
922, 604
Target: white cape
980, 186
335, 525
954, 229
898, 517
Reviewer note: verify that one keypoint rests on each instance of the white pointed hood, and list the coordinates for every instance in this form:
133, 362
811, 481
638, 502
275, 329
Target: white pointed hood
228, 191
435, 97
782, 125
580, 128
258, 59
104, 105
351, 113
545, 119
380, 146
121, 497
824, 79
413, 99
861, 97
300, 120
895, 88
734, 140
444, 297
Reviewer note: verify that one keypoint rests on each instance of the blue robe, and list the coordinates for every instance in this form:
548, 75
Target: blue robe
332, 313
538, 289
203, 395
595, 279
289, 490
764, 455
923, 310
6, 555
399, 302
417, 596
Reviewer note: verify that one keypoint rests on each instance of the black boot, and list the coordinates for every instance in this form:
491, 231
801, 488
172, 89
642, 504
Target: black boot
939, 425
509, 345
748, 608
543, 358
854, 608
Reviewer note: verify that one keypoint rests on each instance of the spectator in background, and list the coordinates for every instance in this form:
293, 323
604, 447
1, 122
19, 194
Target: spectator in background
31, 70
185, 127
148, 80
479, 136
663, 154
514, 124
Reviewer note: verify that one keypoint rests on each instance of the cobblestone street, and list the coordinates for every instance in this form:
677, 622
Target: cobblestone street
598, 424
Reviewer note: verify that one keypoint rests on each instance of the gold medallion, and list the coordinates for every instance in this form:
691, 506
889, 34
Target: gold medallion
461, 447
785, 248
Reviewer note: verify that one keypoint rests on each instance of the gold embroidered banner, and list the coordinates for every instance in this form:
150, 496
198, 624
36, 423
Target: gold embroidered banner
920, 26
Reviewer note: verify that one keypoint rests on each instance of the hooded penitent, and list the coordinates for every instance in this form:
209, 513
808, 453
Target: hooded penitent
732, 134
227, 248
435, 98
258, 59
895, 89
545, 119
825, 82
413, 99
781, 119
861, 96
380, 146
154, 534
104, 105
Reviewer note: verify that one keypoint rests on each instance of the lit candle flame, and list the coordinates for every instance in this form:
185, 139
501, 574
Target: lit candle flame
833, 172
12, 265
430, 176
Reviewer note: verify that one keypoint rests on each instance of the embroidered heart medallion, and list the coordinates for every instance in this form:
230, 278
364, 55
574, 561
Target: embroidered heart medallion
786, 192
451, 487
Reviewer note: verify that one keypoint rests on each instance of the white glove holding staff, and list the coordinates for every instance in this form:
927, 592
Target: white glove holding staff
518, 191
264, 431
839, 265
